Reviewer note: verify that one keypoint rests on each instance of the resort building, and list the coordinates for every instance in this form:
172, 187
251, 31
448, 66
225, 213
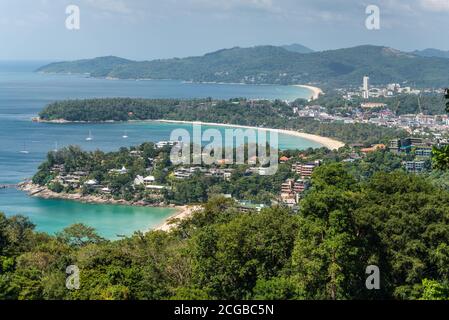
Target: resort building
305, 170
423, 152
406, 145
292, 191
415, 166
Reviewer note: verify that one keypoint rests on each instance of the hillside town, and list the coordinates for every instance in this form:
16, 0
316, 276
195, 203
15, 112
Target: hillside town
370, 111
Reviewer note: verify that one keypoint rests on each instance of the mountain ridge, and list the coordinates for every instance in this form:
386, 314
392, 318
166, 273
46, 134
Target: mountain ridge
431, 52
274, 65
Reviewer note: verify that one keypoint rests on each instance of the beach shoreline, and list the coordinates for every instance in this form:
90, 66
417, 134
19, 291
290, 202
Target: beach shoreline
329, 143
316, 92
182, 213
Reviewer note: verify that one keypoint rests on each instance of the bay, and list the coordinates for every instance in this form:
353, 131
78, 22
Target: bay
23, 93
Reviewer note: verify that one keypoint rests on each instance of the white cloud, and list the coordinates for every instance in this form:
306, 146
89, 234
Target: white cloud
112, 6
266, 5
435, 5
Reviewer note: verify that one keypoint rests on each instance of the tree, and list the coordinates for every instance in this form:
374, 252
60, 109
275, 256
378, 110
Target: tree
434, 290
440, 158
79, 235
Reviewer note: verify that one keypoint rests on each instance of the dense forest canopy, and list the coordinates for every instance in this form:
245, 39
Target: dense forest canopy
396, 221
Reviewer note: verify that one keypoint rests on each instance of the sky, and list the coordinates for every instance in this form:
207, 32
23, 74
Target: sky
153, 29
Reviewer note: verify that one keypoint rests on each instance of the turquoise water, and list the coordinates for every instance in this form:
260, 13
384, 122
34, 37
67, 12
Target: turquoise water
24, 93
110, 220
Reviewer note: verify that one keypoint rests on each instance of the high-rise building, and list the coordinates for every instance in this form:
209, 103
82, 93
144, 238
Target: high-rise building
365, 91
365, 83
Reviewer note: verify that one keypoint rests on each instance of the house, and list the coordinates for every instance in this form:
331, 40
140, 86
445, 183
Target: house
80, 174
149, 180
155, 187
182, 174
57, 168
284, 159
248, 206
373, 148
123, 170
162, 144
105, 190
138, 181
261, 171
91, 183
227, 175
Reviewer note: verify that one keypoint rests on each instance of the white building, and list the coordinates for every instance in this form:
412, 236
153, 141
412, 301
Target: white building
365, 83
123, 170
365, 90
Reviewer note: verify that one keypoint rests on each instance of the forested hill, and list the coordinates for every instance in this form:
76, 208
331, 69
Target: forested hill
266, 114
275, 65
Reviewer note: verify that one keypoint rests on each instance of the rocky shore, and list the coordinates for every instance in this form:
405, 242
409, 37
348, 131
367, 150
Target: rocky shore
34, 190
182, 212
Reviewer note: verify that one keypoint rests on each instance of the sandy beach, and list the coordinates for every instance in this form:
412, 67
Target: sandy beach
315, 91
182, 213
329, 143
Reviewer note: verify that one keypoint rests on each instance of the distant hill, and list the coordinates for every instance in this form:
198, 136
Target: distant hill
97, 67
299, 48
275, 65
432, 53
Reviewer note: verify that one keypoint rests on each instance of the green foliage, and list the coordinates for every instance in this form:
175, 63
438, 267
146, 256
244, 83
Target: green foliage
441, 158
79, 235
433, 290
350, 219
56, 187
228, 258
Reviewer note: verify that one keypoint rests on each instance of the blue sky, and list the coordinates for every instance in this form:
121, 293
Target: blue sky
149, 29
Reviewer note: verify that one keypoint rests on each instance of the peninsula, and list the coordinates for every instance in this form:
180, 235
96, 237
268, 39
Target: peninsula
264, 114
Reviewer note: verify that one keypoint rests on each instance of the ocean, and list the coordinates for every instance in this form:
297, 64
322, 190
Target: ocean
23, 93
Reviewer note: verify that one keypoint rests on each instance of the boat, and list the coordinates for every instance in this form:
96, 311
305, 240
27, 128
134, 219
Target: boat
125, 136
24, 150
90, 137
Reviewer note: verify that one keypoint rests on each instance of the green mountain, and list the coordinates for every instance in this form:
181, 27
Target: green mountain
432, 53
275, 65
299, 48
